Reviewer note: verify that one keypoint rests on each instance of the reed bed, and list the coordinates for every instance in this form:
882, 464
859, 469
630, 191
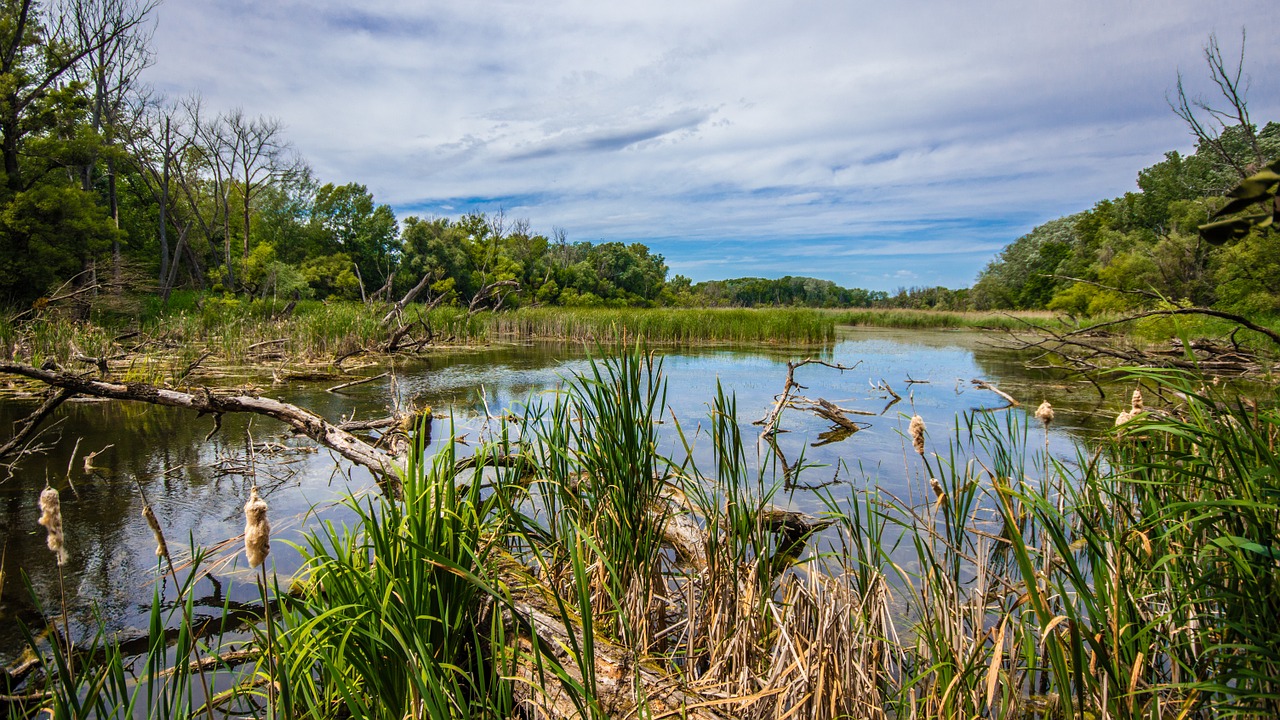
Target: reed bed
570, 569
667, 325
941, 319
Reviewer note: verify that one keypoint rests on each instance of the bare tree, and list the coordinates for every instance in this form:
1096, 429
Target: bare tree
260, 156
159, 139
110, 72
1209, 122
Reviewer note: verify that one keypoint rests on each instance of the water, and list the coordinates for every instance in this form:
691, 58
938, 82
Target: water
197, 487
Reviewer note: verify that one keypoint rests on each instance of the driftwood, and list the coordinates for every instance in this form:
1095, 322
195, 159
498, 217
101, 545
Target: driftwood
1090, 350
206, 401
617, 672
983, 385
400, 304
784, 399
27, 426
353, 383
490, 291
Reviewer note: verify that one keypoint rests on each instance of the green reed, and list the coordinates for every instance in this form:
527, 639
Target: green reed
1138, 578
666, 325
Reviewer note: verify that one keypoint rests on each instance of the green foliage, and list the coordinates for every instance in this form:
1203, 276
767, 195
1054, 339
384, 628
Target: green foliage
50, 228
801, 291
1148, 241
397, 620
350, 223
47, 235
331, 276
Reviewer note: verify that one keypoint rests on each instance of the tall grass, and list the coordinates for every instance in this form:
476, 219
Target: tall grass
942, 319
665, 325
572, 569
398, 618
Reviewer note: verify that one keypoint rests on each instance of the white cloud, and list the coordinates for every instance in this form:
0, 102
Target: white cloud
712, 122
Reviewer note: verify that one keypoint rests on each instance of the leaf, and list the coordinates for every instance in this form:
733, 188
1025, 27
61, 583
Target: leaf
993, 672
1229, 541
1221, 231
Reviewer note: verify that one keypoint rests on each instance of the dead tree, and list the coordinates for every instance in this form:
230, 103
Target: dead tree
1208, 122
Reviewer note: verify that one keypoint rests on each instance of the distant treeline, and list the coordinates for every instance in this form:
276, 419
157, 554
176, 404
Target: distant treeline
811, 292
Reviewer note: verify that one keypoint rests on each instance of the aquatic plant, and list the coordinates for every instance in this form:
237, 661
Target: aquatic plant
570, 568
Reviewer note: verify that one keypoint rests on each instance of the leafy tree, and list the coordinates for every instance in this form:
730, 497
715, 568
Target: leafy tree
50, 227
350, 222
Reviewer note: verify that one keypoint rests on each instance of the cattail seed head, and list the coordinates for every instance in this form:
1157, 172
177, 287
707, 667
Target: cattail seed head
1124, 417
1044, 413
51, 519
916, 431
257, 531
1138, 405
937, 488
162, 549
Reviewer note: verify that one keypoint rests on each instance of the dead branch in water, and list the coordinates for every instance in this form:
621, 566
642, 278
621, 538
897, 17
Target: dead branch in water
400, 304
784, 399
983, 385
27, 426
353, 383
206, 401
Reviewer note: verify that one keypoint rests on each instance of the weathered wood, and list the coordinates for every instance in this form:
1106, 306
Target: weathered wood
983, 385
400, 304
617, 672
353, 383
207, 401
27, 426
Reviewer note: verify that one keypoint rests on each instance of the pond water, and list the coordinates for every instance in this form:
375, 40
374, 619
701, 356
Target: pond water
197, 485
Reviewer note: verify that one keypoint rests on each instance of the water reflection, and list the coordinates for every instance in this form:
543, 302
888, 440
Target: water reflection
197, 487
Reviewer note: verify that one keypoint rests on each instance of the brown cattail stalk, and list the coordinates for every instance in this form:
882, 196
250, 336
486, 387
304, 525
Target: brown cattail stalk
257, 531
257, 544
937, 488
162, 548
1044, 413
1138, 404
916, 430
51, 519
162, 551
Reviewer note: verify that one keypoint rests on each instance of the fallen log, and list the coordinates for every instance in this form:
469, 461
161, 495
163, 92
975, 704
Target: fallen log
206, 401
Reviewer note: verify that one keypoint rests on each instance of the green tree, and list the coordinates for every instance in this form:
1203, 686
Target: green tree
350, 222
50, 227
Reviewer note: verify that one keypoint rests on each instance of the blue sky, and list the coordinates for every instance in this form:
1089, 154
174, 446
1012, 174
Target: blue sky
877, 145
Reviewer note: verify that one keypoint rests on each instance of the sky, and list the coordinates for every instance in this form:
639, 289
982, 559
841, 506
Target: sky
875, 144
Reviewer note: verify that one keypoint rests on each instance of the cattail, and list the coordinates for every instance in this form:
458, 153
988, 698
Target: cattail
51, 519
1044, 413
162, 549
257, 531
917, 433
1124, 417
1138, 405
937, 488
